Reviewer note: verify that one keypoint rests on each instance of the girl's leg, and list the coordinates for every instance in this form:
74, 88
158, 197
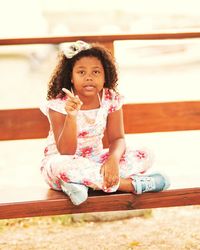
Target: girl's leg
135, 162
71, 175
61, 169
133, 165
126, 185
139, 184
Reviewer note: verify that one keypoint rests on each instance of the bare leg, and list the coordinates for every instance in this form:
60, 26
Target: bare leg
126, 185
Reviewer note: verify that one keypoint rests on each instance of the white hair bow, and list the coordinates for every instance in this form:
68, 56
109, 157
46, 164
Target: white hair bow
71, 49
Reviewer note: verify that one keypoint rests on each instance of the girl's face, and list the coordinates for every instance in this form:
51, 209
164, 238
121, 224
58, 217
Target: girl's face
88, 76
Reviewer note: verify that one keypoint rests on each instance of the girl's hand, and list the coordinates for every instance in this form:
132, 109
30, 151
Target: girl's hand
73, 103
110, 172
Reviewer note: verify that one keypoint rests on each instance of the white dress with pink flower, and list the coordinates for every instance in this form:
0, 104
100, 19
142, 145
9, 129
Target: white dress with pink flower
84, 166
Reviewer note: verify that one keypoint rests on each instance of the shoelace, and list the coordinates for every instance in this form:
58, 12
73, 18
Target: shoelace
148, 184
144, 184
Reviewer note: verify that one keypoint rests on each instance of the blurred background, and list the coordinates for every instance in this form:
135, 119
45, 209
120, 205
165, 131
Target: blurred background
149, 71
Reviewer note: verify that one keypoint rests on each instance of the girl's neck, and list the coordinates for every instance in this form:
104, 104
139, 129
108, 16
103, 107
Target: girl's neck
91, 102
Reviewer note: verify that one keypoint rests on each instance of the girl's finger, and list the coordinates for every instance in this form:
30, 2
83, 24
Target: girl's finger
74, 99
72, 102
79, 99
70, 94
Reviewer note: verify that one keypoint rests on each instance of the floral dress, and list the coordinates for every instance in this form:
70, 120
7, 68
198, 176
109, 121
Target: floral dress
84, 166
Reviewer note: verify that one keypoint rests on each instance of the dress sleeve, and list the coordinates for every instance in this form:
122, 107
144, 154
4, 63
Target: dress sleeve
115, 100
57, 104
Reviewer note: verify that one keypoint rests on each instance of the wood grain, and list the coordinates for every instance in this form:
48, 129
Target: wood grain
100, 38
138, 118
42, 202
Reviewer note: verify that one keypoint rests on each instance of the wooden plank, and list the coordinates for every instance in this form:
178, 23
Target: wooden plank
100, 38
109, 45
162, 117
22, 124
51, 202
138, 118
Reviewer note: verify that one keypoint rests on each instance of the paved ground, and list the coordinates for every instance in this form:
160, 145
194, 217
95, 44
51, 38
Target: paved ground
165, 229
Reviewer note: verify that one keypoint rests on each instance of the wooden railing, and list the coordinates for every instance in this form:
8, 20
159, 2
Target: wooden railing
107, 40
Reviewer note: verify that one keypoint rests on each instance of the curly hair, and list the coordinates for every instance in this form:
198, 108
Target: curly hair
62, 74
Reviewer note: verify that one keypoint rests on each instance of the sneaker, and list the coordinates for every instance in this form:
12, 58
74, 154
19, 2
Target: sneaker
77, 193
154, 182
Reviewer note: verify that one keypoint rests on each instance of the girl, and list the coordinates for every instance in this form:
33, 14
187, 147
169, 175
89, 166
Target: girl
82, 102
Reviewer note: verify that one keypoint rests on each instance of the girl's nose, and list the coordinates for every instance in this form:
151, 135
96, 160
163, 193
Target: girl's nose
89, 76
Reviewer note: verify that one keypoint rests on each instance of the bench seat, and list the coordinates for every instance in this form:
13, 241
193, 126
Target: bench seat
41, 201
30, 201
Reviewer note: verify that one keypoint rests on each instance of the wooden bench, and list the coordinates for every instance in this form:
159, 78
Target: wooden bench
30, 123
154, 117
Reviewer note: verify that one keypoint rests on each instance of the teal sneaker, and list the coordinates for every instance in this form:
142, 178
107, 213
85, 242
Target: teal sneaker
154, 182
77, 193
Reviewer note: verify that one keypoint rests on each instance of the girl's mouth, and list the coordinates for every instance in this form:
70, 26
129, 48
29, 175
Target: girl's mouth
89, 87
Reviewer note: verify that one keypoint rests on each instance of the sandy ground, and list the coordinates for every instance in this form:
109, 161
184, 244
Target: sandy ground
165, 229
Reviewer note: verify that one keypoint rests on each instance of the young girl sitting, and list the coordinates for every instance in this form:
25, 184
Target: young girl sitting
82, 102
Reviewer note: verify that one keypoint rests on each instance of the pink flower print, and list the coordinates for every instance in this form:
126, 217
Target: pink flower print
64, 98
50, 185
86, 182
83, 134
49, 177
108, 95
104, 157
117, 97
85, 152
46, 151
112, 108
123, 159
64, 177
57, 183
140, 154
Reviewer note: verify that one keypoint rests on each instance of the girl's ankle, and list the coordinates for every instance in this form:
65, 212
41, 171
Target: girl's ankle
126, 185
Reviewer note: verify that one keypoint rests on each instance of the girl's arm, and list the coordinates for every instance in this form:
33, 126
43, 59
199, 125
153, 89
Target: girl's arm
65, 132
65, 127
115, 133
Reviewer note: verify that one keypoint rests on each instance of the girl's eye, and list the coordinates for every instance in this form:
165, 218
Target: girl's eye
96, 72
81, 72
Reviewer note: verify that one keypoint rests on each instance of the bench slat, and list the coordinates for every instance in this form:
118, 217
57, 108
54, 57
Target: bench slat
57, 203
19, 124
162, 117
138, 118
100, 38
